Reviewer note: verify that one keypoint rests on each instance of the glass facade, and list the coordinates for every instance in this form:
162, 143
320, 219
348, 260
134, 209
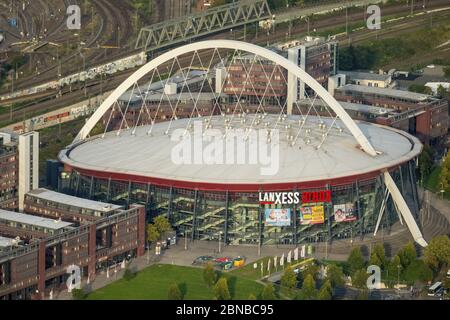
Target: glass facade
238, 217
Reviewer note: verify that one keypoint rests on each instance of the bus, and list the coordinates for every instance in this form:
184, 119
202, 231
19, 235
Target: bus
436, 289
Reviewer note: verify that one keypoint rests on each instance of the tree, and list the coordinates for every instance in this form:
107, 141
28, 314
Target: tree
363, 295
359, 279
308, 291
355, 260
326, 292
335, 276
128, 274
417, 271
444, 178
437, 253
407, 255
311, 269
162, 224
441, 91
447, 72
268, 293
346, 58
289, 278
209, 274
78, 294
419, 88
425, 162
152, 233
251, 297
174, 292
393, 269
221, 291
378, 257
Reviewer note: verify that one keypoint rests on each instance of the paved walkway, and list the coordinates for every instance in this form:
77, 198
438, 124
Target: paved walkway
429, 198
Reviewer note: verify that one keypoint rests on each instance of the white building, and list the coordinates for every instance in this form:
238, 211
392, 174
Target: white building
317, 56
368, 79
28, 164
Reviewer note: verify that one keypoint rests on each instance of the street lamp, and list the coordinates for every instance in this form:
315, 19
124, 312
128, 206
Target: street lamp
307, 20
220, 241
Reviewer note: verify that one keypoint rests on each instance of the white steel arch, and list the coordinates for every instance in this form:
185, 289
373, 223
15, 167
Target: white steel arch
234, 45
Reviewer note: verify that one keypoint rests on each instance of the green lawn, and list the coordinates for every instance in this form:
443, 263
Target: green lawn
153, 283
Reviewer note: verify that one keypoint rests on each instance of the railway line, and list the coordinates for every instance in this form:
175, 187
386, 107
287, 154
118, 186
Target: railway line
115, 31
298, 29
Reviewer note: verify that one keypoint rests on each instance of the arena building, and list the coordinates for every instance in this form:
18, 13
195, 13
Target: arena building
313, 179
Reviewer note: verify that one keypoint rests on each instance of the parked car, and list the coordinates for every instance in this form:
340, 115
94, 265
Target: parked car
202, 260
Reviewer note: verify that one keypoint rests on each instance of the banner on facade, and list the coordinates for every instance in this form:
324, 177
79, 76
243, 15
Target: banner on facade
344, 212
312, 215
278, 217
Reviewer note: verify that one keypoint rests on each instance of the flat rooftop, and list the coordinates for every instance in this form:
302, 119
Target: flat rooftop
366, 75
53, 196
151, 155
364, 108
149, 89
6, 242
33, 220
182, 97
399, 94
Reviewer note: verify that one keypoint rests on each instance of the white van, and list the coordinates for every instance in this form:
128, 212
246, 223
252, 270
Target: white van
436, 289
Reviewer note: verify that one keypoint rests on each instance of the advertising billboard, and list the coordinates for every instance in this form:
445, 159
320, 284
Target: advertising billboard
312, 215
344, 212
278, 217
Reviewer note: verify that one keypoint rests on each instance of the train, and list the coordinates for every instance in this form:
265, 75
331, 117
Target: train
49, 120
129, 62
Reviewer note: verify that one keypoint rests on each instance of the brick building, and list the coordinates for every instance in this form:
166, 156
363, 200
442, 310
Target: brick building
420, 114
55, 205
9, 173
253, 80
40, 266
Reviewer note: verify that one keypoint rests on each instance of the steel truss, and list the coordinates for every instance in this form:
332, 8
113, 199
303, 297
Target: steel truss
221, 18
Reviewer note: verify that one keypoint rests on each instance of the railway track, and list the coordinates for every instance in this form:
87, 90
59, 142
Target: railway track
115, 29
355, 36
